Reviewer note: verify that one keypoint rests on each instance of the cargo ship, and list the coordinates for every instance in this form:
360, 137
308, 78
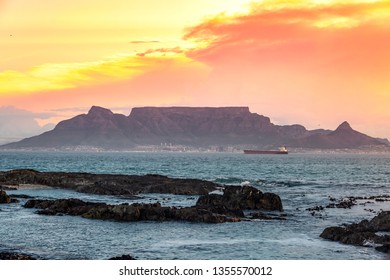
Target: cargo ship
281, 151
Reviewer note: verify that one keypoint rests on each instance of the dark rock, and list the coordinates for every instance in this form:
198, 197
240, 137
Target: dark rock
384, 248
316, 208
123, 257
122, 212
155, 212
216, 204
125, 212
5, 198
359, 238
345, 203
20, 196
381, 222
333, 233
361, 233
71, 206
195, 214
238, 198
349, 202
210, 208
109, 184
263, 216
5, 188
15, 256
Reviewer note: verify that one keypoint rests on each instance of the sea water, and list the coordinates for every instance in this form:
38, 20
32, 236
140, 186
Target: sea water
301, 180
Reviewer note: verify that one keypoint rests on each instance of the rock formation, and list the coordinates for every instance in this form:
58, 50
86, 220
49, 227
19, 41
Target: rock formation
108, 184
363, 233
209, 208
5, 198
236, 198
123, 257
15, 256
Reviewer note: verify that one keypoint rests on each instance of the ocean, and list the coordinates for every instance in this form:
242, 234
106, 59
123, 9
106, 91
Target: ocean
301, 180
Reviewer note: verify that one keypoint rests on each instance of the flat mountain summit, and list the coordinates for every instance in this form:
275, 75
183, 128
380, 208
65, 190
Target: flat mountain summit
196, 127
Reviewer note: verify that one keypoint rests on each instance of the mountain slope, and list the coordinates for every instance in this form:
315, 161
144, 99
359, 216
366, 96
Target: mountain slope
199, 126
99, 128
343, 137
189, 126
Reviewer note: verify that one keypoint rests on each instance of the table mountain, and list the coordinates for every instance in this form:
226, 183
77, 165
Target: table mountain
188, 126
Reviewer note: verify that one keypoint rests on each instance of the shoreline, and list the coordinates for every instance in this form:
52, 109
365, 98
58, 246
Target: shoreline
363, 151
25, 187
106, 184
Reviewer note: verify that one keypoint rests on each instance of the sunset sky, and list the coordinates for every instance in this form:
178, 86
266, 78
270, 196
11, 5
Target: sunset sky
313, 62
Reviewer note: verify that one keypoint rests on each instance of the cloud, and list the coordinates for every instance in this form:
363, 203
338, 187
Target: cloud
12, 112
49, 77
287, 27
70, 109
16, 124
301, 60
145, 41
68, 112
164, 80
162, 51
67, 75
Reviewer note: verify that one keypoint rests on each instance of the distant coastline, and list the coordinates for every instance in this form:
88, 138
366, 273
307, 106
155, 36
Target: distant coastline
183, 149
191, 129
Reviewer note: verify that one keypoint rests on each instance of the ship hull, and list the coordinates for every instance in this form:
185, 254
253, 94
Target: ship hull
257, 152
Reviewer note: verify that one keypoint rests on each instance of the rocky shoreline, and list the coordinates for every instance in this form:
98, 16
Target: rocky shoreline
5, 198
235, 204
349, 202
364, 233
210, 208
15, 256
107, 184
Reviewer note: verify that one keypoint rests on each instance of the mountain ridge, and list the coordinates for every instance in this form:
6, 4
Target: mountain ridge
189, 126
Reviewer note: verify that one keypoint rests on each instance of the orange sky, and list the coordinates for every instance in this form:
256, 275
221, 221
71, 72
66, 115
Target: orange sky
316, 63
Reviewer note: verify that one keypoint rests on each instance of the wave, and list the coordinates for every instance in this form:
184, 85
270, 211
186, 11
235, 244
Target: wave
262, 182
358, 185
286, 183
230, 181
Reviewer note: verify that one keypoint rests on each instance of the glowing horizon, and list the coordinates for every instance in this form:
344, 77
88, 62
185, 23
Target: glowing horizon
313, 62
